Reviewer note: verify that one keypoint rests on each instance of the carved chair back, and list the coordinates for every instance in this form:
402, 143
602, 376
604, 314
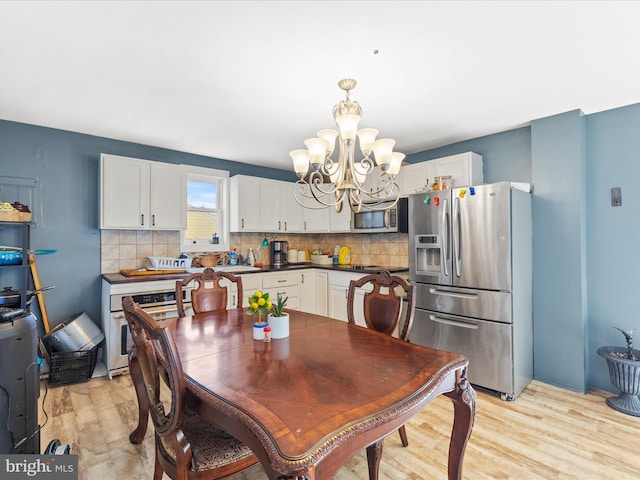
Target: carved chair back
208, 295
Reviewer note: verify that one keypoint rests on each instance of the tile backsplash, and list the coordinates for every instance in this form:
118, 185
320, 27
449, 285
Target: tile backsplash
383, 249
127, 249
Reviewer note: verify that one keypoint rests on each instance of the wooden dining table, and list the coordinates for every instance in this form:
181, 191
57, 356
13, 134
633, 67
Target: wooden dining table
307, 403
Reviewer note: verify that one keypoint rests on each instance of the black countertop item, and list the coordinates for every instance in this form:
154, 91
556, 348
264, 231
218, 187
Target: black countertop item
114, 278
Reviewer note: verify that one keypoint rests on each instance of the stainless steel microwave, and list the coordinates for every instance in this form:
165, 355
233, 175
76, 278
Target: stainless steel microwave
389, 220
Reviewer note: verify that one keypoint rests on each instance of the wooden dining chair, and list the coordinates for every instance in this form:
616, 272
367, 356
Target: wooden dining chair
186, 445
208, 295
388, 308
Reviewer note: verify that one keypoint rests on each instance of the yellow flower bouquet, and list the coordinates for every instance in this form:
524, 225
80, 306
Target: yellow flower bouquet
259, 303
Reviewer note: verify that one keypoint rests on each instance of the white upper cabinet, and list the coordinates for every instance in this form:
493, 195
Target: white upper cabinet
279, 211
266, 205
245, 204
340, 222
291, 209
414, 177
465, 170
141, 195
168, 196
314, 219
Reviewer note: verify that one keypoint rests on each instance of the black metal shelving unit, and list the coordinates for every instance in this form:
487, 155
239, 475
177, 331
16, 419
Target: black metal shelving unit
24, 241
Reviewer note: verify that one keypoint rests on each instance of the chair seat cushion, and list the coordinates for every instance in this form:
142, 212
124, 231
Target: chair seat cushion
211, 446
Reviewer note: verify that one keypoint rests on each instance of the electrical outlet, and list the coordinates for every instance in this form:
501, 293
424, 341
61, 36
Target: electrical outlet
616, 196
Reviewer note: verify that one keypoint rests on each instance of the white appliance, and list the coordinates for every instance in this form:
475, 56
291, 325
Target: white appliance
470, 260
157, 298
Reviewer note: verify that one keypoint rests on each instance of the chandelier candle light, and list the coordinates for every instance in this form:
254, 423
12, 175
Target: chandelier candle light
347, 176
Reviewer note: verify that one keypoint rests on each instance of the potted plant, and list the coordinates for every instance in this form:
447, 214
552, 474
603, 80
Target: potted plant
624, 372
279, 319
261, 304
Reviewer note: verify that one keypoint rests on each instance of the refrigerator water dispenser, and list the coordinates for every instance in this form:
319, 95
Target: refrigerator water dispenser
428, 254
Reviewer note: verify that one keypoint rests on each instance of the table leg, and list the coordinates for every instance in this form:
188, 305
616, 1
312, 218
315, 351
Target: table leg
374, 454
138, 434
464, 403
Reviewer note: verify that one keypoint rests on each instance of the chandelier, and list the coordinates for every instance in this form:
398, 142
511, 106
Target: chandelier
324, 182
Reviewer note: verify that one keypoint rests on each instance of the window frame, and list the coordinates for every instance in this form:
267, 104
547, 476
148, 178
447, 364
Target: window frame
208, 175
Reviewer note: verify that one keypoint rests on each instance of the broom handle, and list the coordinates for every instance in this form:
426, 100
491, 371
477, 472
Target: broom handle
37, 286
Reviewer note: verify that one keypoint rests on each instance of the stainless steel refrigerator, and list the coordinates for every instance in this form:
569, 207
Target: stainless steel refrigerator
470, 260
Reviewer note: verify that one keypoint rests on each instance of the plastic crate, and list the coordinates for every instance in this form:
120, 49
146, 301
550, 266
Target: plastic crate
166, 263
72, 367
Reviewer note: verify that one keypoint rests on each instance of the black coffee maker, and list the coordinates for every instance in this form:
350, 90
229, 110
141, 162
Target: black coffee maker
279, 249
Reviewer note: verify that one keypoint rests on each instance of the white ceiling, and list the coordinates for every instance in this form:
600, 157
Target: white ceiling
250, 80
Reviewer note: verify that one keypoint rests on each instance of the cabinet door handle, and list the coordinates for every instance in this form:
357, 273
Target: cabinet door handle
281, 281
346, 293
305, 224
142, 219
243, 223
279, 225
153, 220
285, 226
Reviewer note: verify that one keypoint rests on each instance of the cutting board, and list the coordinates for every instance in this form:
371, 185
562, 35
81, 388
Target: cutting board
133, 272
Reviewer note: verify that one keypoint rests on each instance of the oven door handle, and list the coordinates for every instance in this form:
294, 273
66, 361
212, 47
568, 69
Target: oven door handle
155, 310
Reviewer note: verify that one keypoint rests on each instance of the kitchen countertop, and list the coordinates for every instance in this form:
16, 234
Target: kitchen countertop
114, 278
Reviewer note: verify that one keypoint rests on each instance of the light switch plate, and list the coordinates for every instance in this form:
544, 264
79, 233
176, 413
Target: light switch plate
616, 196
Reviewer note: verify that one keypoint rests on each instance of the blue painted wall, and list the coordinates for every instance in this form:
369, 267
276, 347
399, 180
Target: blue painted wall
506, 156
613, 267
559, 250
67, 165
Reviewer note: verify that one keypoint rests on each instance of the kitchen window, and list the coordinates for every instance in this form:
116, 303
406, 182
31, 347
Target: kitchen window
207, 210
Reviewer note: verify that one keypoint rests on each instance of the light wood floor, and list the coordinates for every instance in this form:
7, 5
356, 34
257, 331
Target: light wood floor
547, 433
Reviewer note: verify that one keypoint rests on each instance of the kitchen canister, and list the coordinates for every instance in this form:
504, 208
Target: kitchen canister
446, 182
302, 256
292, 255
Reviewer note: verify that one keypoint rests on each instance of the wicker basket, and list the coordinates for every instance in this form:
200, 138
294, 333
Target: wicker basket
321, 259
210, 260
10, 216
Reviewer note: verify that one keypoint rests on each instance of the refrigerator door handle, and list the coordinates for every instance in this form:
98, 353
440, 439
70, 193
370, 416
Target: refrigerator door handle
457, 262
444, 229
446, 293
454, 323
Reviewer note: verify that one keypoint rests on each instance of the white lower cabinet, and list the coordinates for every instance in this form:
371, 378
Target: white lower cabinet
286, 284
338, 292
250, 283
314, 292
